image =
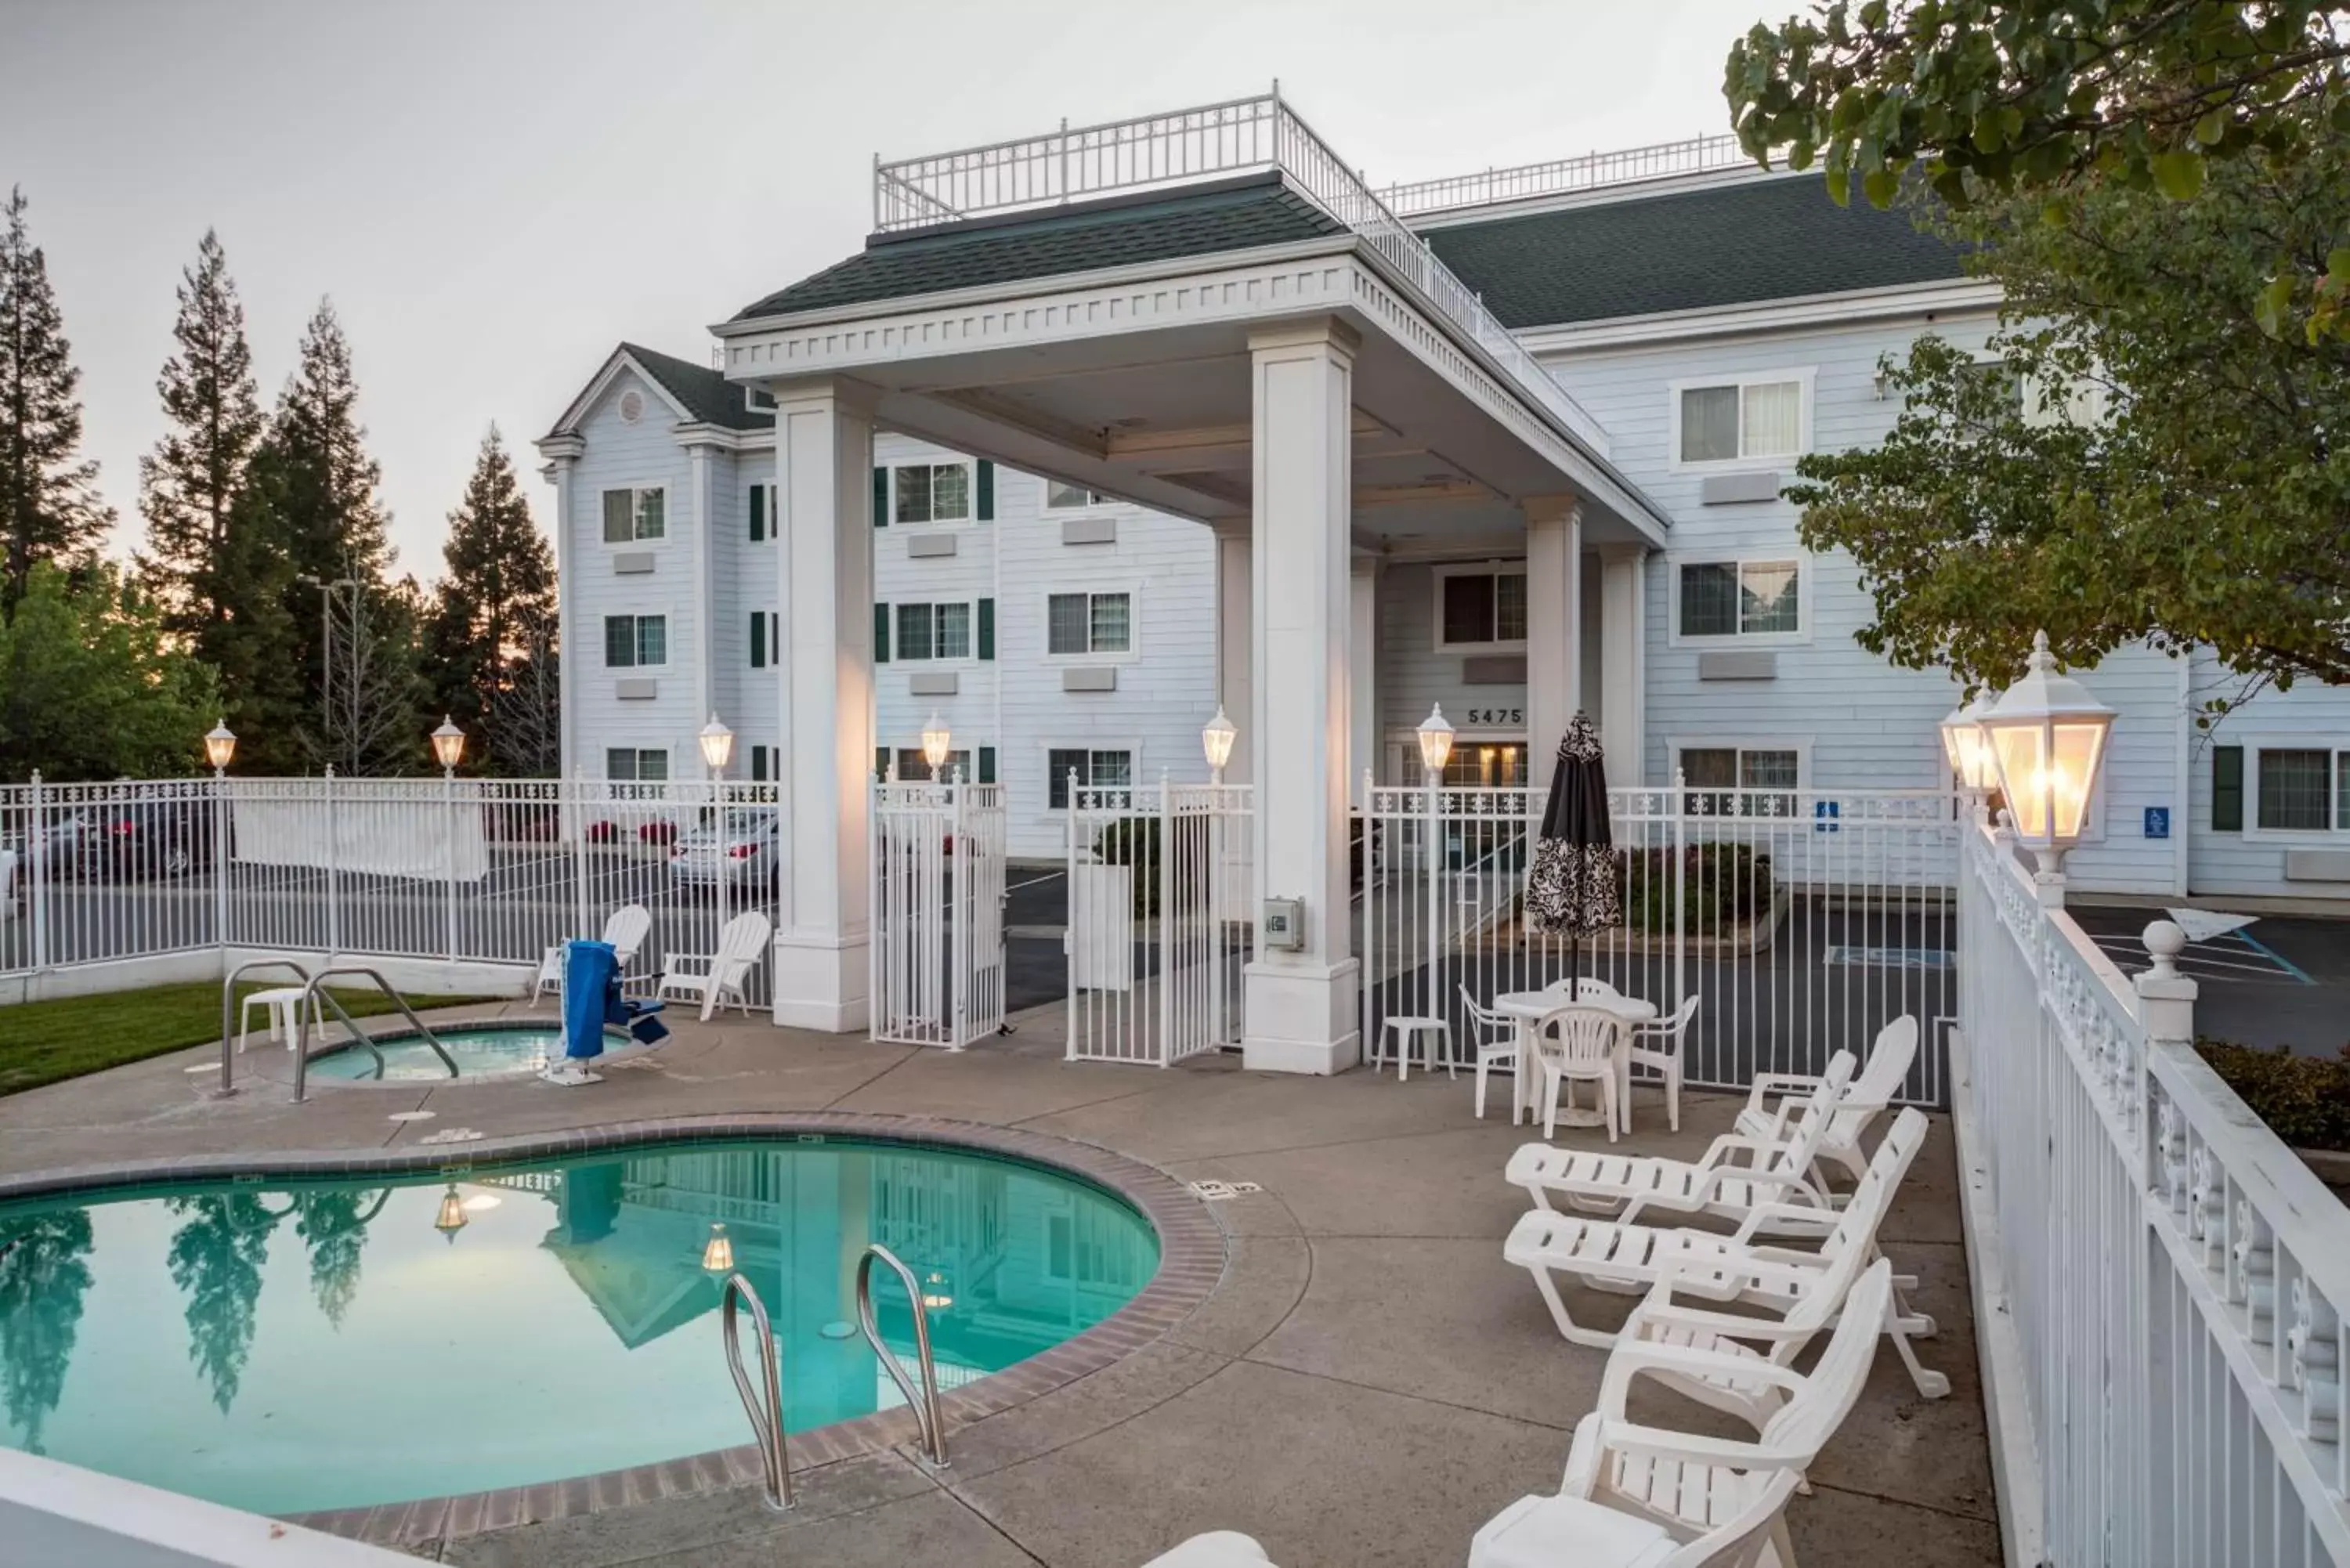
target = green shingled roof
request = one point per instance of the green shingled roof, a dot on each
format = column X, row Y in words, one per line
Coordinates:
column 1729, row 245
column 708, row 396
column 1229, row 217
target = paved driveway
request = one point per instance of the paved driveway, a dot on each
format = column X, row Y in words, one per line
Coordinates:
column 2284, row 979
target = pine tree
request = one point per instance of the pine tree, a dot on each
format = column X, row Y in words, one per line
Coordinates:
column 189, row 483
column 49, row 507
column 496, row 599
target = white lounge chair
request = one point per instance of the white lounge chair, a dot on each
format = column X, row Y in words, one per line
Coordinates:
column 1864, row 1098
column 717, row 978
column 1736, row 1174
column 1217, row 1548
column 1639, row 1496
column 1734, row 1268
column 625, row 930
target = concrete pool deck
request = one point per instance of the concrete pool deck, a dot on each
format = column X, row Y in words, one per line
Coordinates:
column 1366, row 1383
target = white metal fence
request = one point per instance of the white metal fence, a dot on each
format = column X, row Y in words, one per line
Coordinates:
column 1804, row 921
column 2173, row 1276
column 1159, row 920
column 463, row 871
column 937, row 950
column 1694, row 155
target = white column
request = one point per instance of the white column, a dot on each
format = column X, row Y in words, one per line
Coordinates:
column 1363, row 671
column 1623, row 660
column 567, row 562
column 1301, row 1005
column 1553, row 639
column 823, row 559
column 1236, row 617
column 705, row 597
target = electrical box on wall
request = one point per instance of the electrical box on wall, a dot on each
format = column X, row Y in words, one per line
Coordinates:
column 1283, row 929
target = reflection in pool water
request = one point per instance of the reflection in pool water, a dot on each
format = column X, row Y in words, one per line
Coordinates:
column 294, row 1346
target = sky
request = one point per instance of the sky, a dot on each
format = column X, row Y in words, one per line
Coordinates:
column 495, row 194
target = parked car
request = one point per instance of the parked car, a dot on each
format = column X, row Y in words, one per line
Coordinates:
column 745, row 853
column 122, row 841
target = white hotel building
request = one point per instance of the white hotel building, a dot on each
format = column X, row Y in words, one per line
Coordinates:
column 1085, row 593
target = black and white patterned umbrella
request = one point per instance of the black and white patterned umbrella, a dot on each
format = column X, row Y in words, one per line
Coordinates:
column 1571, row 888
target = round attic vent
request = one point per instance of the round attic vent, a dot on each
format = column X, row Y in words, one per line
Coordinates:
column 632, row 406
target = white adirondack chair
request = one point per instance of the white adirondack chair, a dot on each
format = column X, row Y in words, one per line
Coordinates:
column 1801, row 1288
column 625, row 928
column 1736, row 1174
column 1706, row 1501
column 717, row 978
column 1860, row 1104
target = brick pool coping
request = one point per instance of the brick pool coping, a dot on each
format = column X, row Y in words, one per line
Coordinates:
column 1191, row 1264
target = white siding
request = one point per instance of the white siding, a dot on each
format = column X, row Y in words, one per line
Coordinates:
column 2251, row 863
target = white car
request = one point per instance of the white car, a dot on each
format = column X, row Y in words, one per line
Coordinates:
column 744, row 855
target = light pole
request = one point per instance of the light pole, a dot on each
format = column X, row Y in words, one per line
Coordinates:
column 938, row 745
column 449, row 750
column 1216, row 737
column 220, row 746
column 717, row 744
column 1967, row 749
column 1435, row 751
column 2048, row 735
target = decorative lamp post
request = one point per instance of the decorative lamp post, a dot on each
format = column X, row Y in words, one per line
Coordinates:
column 937, row 744
column 1435, row 743
column 2047, row 736
column 1435, row 751
column 718, row 1252
column 448, row 745
column 717, row 742
column 1968, row 750
column 452, row 1218
column 1216, row 738
column 219, row 747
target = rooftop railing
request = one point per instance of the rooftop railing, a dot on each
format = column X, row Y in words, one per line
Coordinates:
column 1159, row 151
column 1563, row 176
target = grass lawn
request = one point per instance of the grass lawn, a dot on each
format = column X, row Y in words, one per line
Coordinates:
column 44, row 1042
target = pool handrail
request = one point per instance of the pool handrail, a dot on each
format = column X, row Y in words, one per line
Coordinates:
column 316, row 988
column 925, row 1402
column 766, row 1415
column 228, row 1007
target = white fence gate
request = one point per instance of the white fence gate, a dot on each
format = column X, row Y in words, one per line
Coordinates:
column 1802, row 919
column 937, row 945
column 2159, row 1280
column 1159, row 920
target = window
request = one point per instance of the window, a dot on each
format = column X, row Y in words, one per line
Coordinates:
column 1083, row 624
column 1094, row 771
column 933, row 631
column 2302, row 789
column 633, row 515
column 760, row 504
column 633, row 641
column 1742, row 422
column 1067, row 497
column 1481, row 607
column 1724, row 768
column 1741, row 598
column 631, row 764
column 932, row 493
column 758, row 399
column 913, row 767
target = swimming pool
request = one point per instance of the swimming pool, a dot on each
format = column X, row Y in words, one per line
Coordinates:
column 480, row 1051
column 287, row 1346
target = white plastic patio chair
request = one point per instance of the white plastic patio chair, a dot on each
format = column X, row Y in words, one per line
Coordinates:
column 625, row 930
column 1801, row 1288
column 1495, row 1039
column 1576, row 1044
column 1712, row 1501
column 717, row 978
column 1736, row 1174
column 1658, row 1045
column 1588, row 988
column 1863, row 1099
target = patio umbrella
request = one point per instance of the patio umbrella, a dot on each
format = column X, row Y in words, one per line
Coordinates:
column 1571, row 886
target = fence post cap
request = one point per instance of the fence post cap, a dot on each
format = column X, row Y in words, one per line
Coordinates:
column 2165, row 941
column 2165, row 996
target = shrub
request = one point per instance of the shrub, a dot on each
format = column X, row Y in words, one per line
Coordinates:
column 1725, row 884
column 2305, row 1100
column 1133, row 842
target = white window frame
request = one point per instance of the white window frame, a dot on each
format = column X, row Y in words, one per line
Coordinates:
column 970, row 748
column 752, row 394
column 1133, row 592
column 1804, row 376
column 970, row 490
column 935, row 661
column 1444, row 573
column 635, row 488
column 1804, row 561
column 2254, row 744
column 1799, row 744
column 1087, row 743
column 663, row 614
column 669, row 775
column 1094, row 500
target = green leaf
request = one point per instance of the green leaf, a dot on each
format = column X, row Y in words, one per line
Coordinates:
column 2212, row 128
column 2337, row 264
column 1880, row 186
column 2177, row 174
column 2270, row 306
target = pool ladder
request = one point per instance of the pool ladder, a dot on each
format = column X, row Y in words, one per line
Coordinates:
column 315, row 990
column 762, row 1397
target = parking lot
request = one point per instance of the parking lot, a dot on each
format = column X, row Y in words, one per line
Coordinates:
column 2282, row 981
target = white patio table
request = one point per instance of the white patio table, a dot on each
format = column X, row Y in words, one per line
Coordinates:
column 1531, row 1007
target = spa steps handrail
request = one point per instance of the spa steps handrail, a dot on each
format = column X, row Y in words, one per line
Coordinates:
column 317, row 990
column 763, row 1401
column 925, row 1401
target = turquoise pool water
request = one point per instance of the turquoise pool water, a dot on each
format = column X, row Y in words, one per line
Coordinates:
column 288, row 1346
column 478, row 1053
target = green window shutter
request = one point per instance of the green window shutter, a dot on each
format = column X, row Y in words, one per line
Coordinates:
column 987, row 764
column 987, row 629
column 2226, row 789
column 881, row 634
column 986, row 491
column 758, row 764
column 758, row 640
column 881, row 498
column 758, row 513
column 881, row 761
